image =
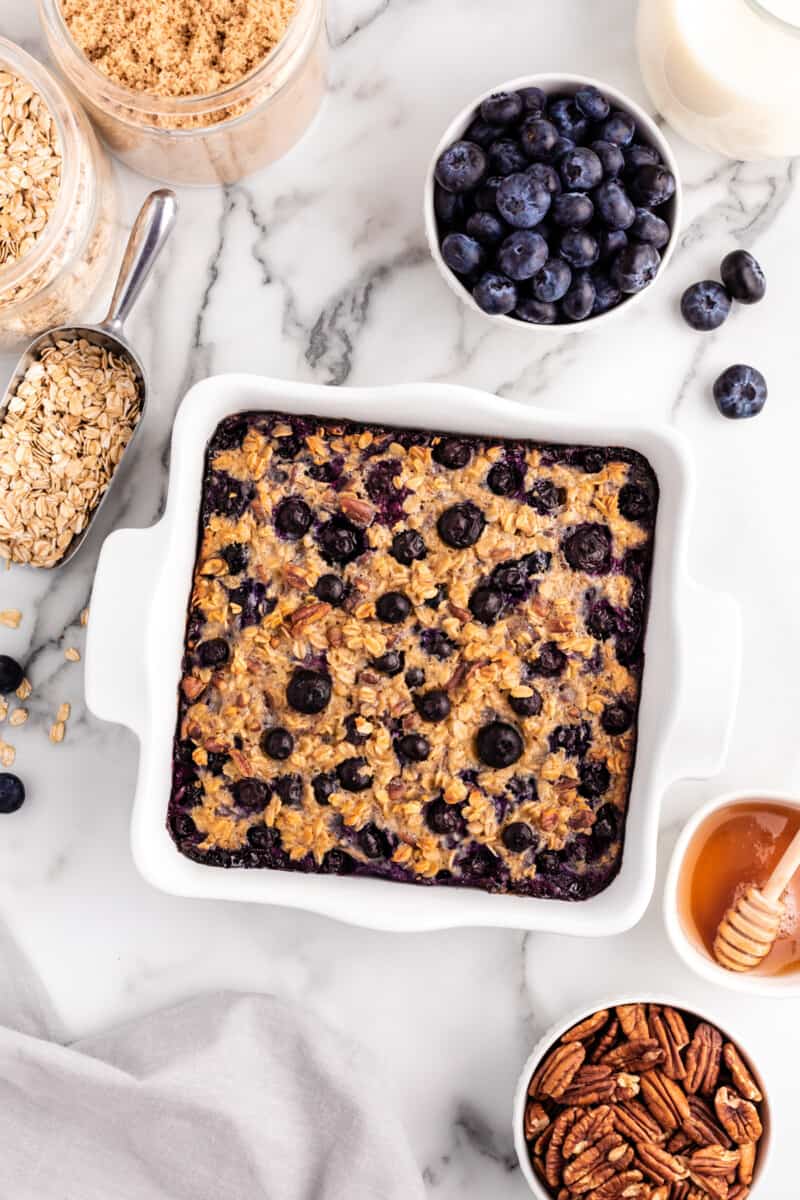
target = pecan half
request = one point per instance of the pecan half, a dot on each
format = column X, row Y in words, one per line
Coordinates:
column 742, row 1079
column 659, row 1164
column 739, row 1191
column 678, row 1142
column 747, row 1162
column 606, row 1041
column 627, row 1185
column 665, row 1099
column 192, row 687
column 641, row 1054
column 359, row 511
column 295, row 577
column 590, row 1162
column 588, row 1028
column 536, row 1120
column 710, row 1185
column 557, row 1071
column 703, row 1059
column 589, row 1129
column 308, row 614
column 626, row 1086
column 670, row 1031
column 634, row 1121
column 633, row 1019
column 701, row 1125
column 591, row 1085
column 714, row 1160
column 737, row 1116
column 554, row 1157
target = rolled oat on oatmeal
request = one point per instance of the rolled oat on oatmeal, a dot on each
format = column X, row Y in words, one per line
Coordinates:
column 30, row 166
column 63, row 435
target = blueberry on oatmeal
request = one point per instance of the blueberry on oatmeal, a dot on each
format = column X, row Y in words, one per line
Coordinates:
column 340, row 541
column 499, row 744
column 277, row 743
column 433, row 706
column 408, row 546
column 393, row 608
column 461, row 525
column 330, row 589
column 213, row 653
column 452, row 453
column 308, row 691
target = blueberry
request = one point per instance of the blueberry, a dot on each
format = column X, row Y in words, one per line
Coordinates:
column 574, row 740
column 511, row 577
column 486, row 195
column 705, row 305
column 743, row 277
column 277, row 743
column 502, row 108
column 12, row 793
column 262, row 837
column 579, row 248
column 330, row 589
column 588, row 548
column 495, row 295
column 486, row 604
column 308, row 691
column 592, row 103
column 415, row 677
column 251, row 794
column 536, row 312
column 522, row 200
column 11, row 674
column 373, row 842
column 438, row 598
column 518, row 837
column 216, row 761
column 601, row 622
column 606, row 294
column 522, row 254
column 534, row 101
column 391, row 663
column 614, row 205
column 292, row 518
column 568, row 119
column 290, row 789
column 482, row 132
column 338, row 862
column 594, row 779
column 606, row 826
column 448, row 206
column 499, row 744
column 351, row 775
column 617, row 718
column 591, row 460
column 580, row 169
column 323, row 786
column 545, row 497
column 236, row 555
column 548, row 862
column 635, row 267
column 579, row 300
column 552, row 282
column 407, row 547
column 252, row 599
column 610, row 242
column 442, row 817
column 393, row 608
column 486, row 228
column 564, row 145
column 214, row 652
column 652, row 185
column 546, row 175
column 504, row 479
column 537, row 562
column 538, row 138
column 611, row 158
column 433, row 706
column 452, row 453
column 288, row 447
column 618, row 128
column 741, row 391
column 506, row 157
column 638, row 155
column 526, row 706
column 340, row 541
column 414, row 747
column 634, row 502
column 437, row 644
column 649, row 228
column 227, row 496
column 572, row 209
column 461, row 525
column 461, row 167
column 462, row 254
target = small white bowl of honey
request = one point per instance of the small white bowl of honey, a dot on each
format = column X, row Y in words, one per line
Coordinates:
column 734, row 841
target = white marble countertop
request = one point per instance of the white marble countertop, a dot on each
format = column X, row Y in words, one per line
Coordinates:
column 317, row 269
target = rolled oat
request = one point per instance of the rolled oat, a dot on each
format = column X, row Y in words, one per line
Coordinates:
column 30, row 166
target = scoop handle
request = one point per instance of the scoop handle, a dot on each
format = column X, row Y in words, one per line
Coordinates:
column 776, row 885
column 150, row 231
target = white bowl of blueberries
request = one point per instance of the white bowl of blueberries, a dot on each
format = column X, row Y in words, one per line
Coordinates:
column 552, row 200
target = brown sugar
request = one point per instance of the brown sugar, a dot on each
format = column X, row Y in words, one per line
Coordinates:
column 177, row 47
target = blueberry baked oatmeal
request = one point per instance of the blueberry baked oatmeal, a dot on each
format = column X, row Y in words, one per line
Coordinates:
column 413, row 656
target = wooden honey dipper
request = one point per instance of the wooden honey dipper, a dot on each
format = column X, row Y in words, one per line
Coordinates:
column 747, row 932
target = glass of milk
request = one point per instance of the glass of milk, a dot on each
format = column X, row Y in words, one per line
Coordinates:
column 725, row 73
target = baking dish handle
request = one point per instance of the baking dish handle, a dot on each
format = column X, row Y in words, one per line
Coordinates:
column 115, row 643
column 710, row 674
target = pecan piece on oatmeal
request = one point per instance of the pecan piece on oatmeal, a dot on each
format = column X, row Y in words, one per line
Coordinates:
column 588, row 1028
column 558, row 1071
column 742, row 1079
column 703, row 1060
column 360, row 512
column 737, row 1116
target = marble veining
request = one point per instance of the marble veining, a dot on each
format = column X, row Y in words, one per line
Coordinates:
column 317, row 269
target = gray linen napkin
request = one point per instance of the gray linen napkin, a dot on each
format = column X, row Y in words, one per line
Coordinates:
column 226, row 1097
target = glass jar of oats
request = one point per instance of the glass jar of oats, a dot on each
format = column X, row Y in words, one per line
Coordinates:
column 192, row 96
column 57, row 203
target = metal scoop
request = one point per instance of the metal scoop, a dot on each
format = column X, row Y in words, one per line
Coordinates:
column 150, row 231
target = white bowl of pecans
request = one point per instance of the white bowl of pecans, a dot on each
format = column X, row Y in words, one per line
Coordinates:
column 640, row 1100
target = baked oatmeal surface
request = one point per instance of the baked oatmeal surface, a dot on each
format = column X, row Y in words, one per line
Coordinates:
column 412, row 655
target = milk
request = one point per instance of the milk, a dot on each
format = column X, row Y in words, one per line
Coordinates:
column 725, row 73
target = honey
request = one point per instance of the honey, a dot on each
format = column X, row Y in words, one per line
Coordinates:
column 734, row 847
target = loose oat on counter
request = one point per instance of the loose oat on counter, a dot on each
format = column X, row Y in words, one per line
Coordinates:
column 63, row 435
column 177, row 47
column 30, row 167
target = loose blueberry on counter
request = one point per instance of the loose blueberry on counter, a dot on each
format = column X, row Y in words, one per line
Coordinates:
column 236, row 556
column 502, row 108
column 550, row 661
column 578, row 303
column 518, row 837
column 635, row 267
column 462, row 253
column 277, row 743
column 538, row 137
column 652, row 185
column 290, row 789
column 443, row 818
column 486, row 604
column 614, row 205
column 414, row 747
column 522, row 201
column 323, row 786
column 552, row 282
column 705, row 305
column 452, row 453
column 610, row 156
column 594, row 779
column 506, row 157
column 414, row 678
column 588, row 548
column 462, row 166
column 213, row 653
column 352, row 775
column 580, row 169
column 526, row 706
column 373, row 842
column 740, row 392
column 293, row 518
column 11, row 674
column 433, row 706
column 499, row 744
column 504, row 479
column 743, row 277
column 545, row 497
column 461, row 525
column 330, row 589
column 407, row 546
column 495, row 295
column 536, row 312
column 634, row 502
column 251, row 794
column 522, row 254
column 308, row 691
column 649, row 228
column 12, row 793
column 393, row 608
column 618, row 128
column 391, row 663
column 617, row 718
column 592, row 103
column 571, row 210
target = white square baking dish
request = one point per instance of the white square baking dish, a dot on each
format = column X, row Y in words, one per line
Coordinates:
column 136, row 632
